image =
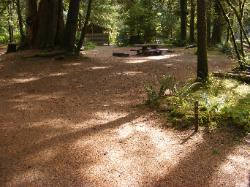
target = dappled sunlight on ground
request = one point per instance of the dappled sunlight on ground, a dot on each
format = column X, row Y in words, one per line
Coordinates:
column 79, row 122
column 162, row 57
column 99, row 67
column 135, row 61
column 236, row 164
column 131, row 73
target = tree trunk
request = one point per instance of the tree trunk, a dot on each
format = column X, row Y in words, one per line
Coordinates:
column 241, row 10
column 48, row 23
column 31, row 22
column 71, row 26
column 192, row 17
column 20, row 22
column 239, row 21
column 80, row 43
column 228, row 35
column 183, row 13
column 217, row 25
column 209, row 6
column 232, row 33
column 10, row 22
column 60, row 25
column 202, row 65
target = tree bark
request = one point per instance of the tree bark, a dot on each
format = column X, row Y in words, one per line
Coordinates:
column 217, row 25
column 10, row 22
column 31, row 22
column 239, row 21
column 20, row 22
column 183, row 13
column 192, row 17
column 241, row 10
column 48, row 22
column 71, row 26
column 232, row 33
column 202, row 65
column 83, row 32
column 209, row 23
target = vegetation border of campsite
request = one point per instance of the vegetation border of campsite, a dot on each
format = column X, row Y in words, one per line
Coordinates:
column 221, row 102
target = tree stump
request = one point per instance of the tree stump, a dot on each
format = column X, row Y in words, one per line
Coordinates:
column 12, row 47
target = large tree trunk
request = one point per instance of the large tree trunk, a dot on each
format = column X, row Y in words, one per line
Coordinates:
column 209, row 23
column 183, row 13
column 48, row 21
column 31, row 22
column 60, row 25
column 80, row 43
column 71, row 26
column 202, row 65
column 192, row 17
column 217, row 25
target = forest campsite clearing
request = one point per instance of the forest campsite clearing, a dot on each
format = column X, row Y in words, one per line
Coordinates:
column 82, row 122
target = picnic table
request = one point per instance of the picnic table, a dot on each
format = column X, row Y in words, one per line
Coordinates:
column 150, row 49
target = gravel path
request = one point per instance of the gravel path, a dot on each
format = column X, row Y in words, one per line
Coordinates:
column 80, row 123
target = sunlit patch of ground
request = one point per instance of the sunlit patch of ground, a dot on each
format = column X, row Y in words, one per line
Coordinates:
column 236, row 164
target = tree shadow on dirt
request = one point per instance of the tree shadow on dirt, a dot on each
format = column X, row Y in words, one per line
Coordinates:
column 54, row 155
column 198, row 167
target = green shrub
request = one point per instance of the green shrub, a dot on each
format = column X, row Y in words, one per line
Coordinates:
column 153, row 96
column 179, row 43
column 226, row 48
column 221, row 102
column 89, row 45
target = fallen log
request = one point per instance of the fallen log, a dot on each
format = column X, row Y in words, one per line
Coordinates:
column 234, row 75
column 120, row 54
column 191, row 46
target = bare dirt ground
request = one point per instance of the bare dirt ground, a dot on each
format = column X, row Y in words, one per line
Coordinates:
column 78, row 123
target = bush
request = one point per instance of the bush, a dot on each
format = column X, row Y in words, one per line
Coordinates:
column 221, row 102
column 179, row 43
column 89, row 45
column 226, row 48
column 166, row 83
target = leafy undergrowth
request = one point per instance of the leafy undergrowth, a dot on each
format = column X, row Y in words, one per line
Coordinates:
column 222, row 102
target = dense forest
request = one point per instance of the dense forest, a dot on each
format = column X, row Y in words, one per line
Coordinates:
column 124, row 92
column 63, row 24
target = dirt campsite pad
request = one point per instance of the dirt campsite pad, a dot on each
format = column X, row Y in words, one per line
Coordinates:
column 80, row 122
